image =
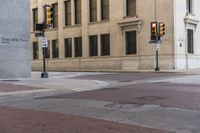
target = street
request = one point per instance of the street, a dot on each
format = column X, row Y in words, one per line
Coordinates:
column 87, row 102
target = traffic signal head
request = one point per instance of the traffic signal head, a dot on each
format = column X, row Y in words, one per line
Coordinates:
column 154, row 30
column 161, row 29
column 49, row 15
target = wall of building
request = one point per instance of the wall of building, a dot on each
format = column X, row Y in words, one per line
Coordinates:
column 14, row 39
column 116, row 27
column 184, row 21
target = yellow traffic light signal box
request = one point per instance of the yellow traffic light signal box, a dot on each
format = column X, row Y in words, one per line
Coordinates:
column 49, row 16
column 161, row 29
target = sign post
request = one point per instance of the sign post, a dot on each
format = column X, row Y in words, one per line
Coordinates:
column 44, row 49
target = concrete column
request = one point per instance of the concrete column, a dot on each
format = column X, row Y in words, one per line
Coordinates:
column 98, row 10
column 85, row 40
column 73, row 12
column 73, row 48
column 60, row 28
column 99, row 45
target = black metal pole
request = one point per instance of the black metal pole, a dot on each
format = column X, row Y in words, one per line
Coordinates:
column 44, row 73
column 157, row 63
column 44, row 59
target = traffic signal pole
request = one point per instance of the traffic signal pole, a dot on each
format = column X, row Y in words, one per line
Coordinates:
column 44, row 74
column 157, row 59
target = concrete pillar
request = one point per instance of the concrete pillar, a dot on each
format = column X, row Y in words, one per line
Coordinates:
column 98, row 10
column 85, row 40
column 15, row 55
column 60, row 28
column 73, row 12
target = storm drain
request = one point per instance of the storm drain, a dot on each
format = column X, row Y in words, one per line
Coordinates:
column 154, row 98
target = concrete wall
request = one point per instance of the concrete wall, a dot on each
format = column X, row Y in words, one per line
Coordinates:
column 14, row 39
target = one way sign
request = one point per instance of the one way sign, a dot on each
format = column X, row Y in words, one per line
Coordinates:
column 44, row 42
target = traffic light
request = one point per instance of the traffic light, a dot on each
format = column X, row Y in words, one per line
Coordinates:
column 49, row 16
column 154, row 31
column 161, row 29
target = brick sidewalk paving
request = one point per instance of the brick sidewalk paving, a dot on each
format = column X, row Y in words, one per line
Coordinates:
column 6, row 87
column 14, row 120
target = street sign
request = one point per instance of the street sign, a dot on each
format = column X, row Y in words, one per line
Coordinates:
column 39, row 34
column 155, row 41
column 39, row 27
column 157, row 46
column 44, row 42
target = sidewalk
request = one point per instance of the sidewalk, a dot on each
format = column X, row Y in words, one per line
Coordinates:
column 56, row 83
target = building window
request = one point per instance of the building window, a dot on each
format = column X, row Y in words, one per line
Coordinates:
column 77, row 11
column 35, row 51
column 78, row 46
column 131, row 42
column 68, row 47
column 104, row 9
column 105, row 45
column 93, row 45
column 35, row 17
column 189, row 6
column 55, row 49
column 68, row 13
column 55, row 15
column 93, row 10
column 48, row 50
column 131, row 8
column 190, row 41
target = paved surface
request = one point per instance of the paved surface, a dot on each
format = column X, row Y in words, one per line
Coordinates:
column 14, row 120
column 141, row 102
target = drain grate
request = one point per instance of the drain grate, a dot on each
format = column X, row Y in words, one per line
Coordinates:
column 150, row 98
column 10, row 80
column 126, row 81
column 109, row 89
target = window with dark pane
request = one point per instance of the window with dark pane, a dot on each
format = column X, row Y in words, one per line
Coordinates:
column 55, row 49
column 35, row 51
column 68, row 13
column 55, row 15
column 93, row 45
column 190, row 41
column 131, row 42
column 68, row 47
column 78, row 46
column 93, row 10
column 77, row 11
column 104, row 9
column 35, row 17
column 48, row 50
column 131, row 8
column 105, row 45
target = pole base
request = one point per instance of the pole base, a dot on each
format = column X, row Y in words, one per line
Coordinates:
column 44, row 75
column 157, row 69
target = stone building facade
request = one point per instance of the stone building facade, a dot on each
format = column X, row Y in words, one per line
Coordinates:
column 104, row 35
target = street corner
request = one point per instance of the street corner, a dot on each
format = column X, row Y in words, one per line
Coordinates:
column 14, row 120
column 9, row 87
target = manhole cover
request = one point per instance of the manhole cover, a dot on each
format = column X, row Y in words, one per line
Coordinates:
column 109, row 89
column 151, row 98
column 10, row 80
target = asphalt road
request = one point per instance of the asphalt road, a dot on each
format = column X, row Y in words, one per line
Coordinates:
column 102, row 103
